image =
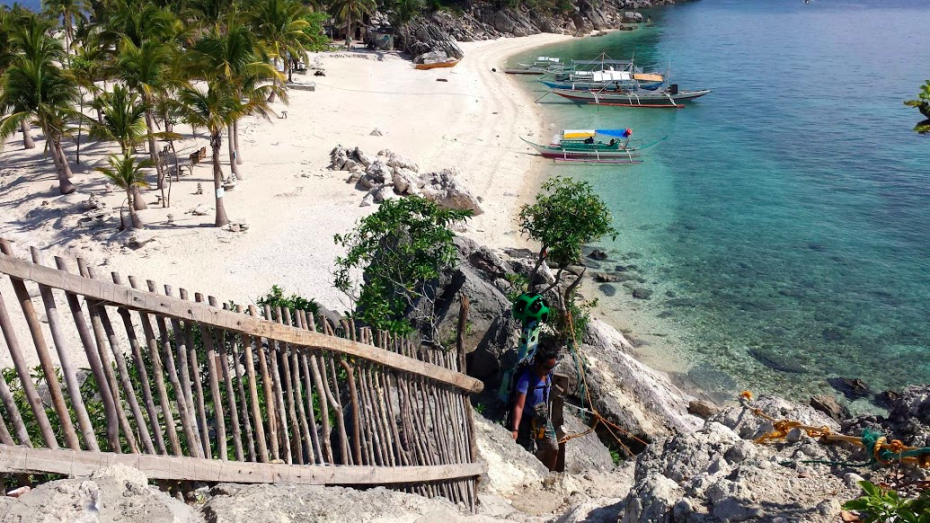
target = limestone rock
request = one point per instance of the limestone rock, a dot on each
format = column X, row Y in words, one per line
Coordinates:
column 117, row 493
column 361, row 157
column 702, row 408
column 376, row 174
column 829, row 406
column 510, row 466
column 632, row 17
column 397, row 161
column 338, row 157
column 405, row 181
column 375, row 132
column 201, row 210
column 443, row 189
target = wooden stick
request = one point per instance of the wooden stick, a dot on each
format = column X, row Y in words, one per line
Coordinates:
column 289, row 382
column 219, row 416
column 340, row 417
column 253, row 394
column 310, row 440
column 126, row 381
column 13, row 412
column 389, row 393
column 45, row 359
column 5, row 437
column 353, row 398
column 218, row 318
column 280, row 410
column 22, row 370
column 323, row 390
column 269, row 395
column 96, row 367
column 308, row 323
column 158, row 372
column 185, row 408
column 230, row 391
column 61, row 347
column 143, row 372
column 191, row 363
column 23, row 460
column 243, row 404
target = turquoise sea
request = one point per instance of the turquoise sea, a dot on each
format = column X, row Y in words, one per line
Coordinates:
column 784, row 225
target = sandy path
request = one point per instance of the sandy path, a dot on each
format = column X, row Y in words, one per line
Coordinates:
column 293, row 204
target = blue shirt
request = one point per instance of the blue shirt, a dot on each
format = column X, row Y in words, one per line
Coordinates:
column 535, row 388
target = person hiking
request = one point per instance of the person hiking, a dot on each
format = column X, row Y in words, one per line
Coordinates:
column 531, row 425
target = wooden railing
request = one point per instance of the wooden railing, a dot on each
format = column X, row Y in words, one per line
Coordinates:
column 209, row 393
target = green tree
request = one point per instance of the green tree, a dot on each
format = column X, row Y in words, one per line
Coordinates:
column 232, row 58
column 351, row 11
column 922, row 103
column 68, row 11
column 214, row 110
column 35, row 88
column 401, row 249
column 126, row 173
column 566, row 215
column 281, row 26
column 123, row 119
column 149, row 70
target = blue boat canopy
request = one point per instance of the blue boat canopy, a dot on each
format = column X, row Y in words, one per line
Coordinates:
column 620, row 133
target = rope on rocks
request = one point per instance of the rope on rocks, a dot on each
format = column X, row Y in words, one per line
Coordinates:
column 881, row 450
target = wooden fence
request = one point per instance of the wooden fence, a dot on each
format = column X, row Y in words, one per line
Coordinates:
column 210, row 393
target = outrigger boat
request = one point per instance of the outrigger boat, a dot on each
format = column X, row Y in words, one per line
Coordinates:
column 451, row 62
column 542, row 65
column 606, row 74
column 670, row 96
column 593, row 146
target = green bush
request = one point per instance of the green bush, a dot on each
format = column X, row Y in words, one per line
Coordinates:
column 276, row 298
column 881, row 506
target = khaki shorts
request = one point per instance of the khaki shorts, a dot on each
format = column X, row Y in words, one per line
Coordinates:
column 532, row 442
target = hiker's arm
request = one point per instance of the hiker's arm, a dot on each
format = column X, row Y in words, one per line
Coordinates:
column 517, row 413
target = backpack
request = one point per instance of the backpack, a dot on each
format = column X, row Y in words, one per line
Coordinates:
column 522, row 368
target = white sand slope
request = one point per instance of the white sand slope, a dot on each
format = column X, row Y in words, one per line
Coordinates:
column 293, row 204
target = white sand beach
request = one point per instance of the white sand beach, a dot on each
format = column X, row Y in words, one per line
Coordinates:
column 292, row 203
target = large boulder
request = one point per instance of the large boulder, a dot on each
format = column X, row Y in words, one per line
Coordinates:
column 510, row 467
column 443, row 189
column 116, row 493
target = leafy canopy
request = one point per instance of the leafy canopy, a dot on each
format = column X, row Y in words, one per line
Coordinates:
column 922, row 103
column 276, row 298
column 400, row 249
column 566, row 215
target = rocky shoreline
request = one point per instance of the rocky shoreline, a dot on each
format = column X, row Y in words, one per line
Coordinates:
column 438, row 32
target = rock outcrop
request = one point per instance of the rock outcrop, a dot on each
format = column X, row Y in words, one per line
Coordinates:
column 388, row 175
column 718, row 474
column 117, row 493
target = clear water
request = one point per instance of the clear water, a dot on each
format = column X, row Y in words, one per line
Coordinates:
column 784, row 223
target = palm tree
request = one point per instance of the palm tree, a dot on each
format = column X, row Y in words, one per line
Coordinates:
column 281, row 26
column 404, row 12
column 213, row 110
column 350, row 11
column 87, row 68
column 127, row 174
column 67, row 10
column 123, row 119
column 35, row 88
column 233, row 59
column 147, row 69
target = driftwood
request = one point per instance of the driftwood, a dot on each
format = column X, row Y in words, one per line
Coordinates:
column 387, row 410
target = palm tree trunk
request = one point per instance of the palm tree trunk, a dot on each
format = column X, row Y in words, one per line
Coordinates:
column 64, row 184
column 153, row 148
column 77, row 142
column 233, row 166
column 236, row 135
column 137, row 200
column 221, row 218
column 271, row 97
column 134, row 219
column 64, row 158
column 28, row 142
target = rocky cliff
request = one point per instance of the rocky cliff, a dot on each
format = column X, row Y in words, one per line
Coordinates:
column 439, row 30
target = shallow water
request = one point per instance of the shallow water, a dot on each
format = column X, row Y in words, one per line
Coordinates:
column 782, row 224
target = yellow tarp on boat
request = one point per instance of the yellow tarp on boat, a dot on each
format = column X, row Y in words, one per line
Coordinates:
column 648, row 77
column 578, row 134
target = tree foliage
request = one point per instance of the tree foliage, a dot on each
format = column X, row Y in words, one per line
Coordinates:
column 401, row 250
column 276, row 298
column 922, row 103
column 567, row 215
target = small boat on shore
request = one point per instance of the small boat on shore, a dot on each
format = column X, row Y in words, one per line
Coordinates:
column 593, row 146
column 452, row 62
column 670, row 96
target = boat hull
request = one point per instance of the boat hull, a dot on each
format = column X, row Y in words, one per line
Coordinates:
column 597, row 86
column 647, row 99
column 438, row 65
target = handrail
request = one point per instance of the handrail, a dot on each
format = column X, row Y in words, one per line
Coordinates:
column 214, row 317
